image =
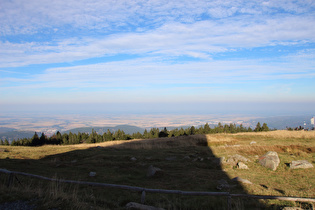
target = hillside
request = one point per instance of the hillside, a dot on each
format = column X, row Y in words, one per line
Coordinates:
column 190, row 163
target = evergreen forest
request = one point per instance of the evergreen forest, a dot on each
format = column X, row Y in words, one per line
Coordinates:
column 94, row 137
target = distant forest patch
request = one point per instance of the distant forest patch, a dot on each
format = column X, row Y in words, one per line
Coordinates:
column 94, row 137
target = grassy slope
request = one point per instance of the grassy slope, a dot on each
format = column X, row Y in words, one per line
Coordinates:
column 111, row 161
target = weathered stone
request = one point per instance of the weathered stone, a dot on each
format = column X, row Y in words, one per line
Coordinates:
column 270, row 160
column 133, row 159
column 152, row 170
column 239, row 179
column 223, row 184
column 241, row 165
column 234, row 159
column 253, row 142
column 186, row 157
column 300, row 164
column 92, row 174
column 138, row 206
column 292, row 208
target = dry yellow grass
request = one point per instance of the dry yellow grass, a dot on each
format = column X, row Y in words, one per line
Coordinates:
column 290, row 145
column 282, row 134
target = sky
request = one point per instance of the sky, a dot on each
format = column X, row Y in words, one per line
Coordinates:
column 157, row 56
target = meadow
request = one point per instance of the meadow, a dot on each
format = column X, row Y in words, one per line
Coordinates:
column 187, row 163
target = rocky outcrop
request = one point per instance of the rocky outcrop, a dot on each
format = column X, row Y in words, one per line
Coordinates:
column 270, row 160
column 300, row 164
column 234, row 159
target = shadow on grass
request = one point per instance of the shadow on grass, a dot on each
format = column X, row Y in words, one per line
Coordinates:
column 186, row 163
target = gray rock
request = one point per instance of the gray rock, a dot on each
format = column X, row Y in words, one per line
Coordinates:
column 234, row 159
column 270, row 160
column 92, row 174
column 152, row 171
column 223, row 184
column 300, row 164
column 138, row 206
column 241, row 165
column 239, row 179
column 133, row 159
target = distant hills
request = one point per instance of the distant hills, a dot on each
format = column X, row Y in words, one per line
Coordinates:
column 5, row 129
column 280, row 123
column 15, row 134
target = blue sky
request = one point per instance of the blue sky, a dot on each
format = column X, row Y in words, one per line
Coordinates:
column 157, row 56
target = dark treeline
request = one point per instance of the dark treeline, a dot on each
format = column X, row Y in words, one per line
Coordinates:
column 94, row 137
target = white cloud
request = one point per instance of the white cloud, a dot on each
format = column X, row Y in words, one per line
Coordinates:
column 200, row 39
column 30, row 17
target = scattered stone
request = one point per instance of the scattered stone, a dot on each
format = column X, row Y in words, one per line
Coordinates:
column 270, row 160
column 133, row 159
column 170, row 158
column 74, row 161
column 253, row 142
column 234, row 159
column 292, row 208
column 223, row 185
column 152, row 171
column 241, row 165
column 300, row 164
column 92, row 174
column 239, row 179
column 138, row 206
column 186, row 158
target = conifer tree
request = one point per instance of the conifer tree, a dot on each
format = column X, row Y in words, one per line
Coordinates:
column 264, row 127
column 258, row 127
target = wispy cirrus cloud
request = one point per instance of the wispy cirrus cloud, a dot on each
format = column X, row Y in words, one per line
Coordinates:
column 200, row 39
column 62, row 50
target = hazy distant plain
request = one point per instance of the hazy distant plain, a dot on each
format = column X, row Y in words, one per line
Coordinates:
column 52, row 123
